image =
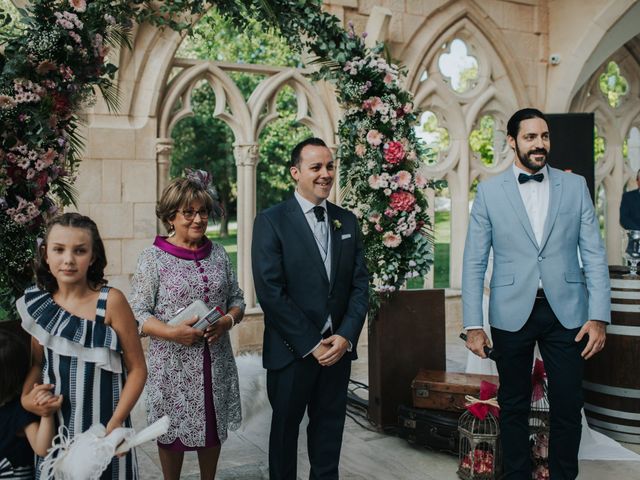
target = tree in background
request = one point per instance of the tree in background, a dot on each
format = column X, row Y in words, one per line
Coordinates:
column 202, row 141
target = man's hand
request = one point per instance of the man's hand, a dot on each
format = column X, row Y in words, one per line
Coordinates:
column 476, row 341
column 185, row 334
column 338, row 347
column 597, row 332
column 41, row 401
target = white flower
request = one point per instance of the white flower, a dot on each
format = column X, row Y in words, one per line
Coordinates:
column 391, row 239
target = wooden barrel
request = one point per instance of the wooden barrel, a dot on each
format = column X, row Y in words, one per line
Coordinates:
column 612, row 377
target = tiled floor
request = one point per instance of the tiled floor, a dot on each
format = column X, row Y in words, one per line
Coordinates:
column 366, row 455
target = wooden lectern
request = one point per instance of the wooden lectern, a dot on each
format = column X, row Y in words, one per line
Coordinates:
column 407, row 334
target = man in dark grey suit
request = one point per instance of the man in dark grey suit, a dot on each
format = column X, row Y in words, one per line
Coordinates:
column 630, row 208
column 312, row 284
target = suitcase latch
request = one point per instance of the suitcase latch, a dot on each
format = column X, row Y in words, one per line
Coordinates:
column 408, row 423
column 422, row 392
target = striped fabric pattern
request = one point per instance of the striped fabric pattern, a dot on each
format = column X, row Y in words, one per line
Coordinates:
column 7, row 472
column 90, row 393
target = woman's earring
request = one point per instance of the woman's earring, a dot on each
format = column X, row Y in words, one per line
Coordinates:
column 172, row 230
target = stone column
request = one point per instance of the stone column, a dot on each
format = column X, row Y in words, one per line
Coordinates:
column 246, row 161
column 164, row 147
column 614, row 187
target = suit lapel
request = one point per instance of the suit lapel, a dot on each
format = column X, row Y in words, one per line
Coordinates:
column 555, row 197
column 515, row 199
column 336, row 241
column 301, row 226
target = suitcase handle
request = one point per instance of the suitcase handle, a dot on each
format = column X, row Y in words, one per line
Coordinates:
column 447, row 438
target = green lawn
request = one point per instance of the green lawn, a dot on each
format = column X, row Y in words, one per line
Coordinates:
column 442, row 237
column 230, row 243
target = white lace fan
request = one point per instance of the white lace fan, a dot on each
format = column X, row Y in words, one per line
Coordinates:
column 88, row 454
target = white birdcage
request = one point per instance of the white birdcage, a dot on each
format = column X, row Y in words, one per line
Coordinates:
column 479, row 453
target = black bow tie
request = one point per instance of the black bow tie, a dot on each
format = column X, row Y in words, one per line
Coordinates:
column 318, row 211
column 524, row 178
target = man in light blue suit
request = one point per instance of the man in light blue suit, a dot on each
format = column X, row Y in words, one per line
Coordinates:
column 550, row 285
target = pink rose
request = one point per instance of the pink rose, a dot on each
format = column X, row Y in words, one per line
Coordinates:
column 374, row 137
column 375, row 217
column 388, row 78
column 402, row 201
column 393, row 152
column 376, row 104
column 78, row 5
column 403, row 178
column 391, row 240
column 421, row 181
column 361, row 149
column 374, row 182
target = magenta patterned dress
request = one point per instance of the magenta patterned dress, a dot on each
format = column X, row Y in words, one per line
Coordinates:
column 167, row 279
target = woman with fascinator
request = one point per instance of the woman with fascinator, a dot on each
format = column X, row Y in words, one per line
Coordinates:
column 192, row 373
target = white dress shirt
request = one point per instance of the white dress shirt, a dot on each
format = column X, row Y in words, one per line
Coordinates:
column 307, row 209
column 535, row 196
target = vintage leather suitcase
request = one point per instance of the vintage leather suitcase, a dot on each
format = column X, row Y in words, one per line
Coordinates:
column 439, row 390
column 429, row 428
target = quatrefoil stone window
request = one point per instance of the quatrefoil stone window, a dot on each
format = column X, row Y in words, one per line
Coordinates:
column 613, row 85
column 458, row 67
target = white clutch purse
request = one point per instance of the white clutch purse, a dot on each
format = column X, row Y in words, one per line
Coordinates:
column 206, row 316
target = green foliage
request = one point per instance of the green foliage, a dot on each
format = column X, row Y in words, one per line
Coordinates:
column 613, row 85
column 481, row 139
column 599, row 145
column 435, row 137
column 468, row 78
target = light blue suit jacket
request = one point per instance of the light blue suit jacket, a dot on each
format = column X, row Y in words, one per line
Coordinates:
column 499, row 221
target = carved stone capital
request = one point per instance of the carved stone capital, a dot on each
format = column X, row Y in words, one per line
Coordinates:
column 246, row 155
column 164, row 146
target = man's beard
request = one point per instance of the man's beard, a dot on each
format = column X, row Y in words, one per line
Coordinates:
column 526, row 160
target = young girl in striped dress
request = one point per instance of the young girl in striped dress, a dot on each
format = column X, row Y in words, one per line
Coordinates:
column 84, row 337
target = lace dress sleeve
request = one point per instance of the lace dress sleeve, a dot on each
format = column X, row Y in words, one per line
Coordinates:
column 144, row 288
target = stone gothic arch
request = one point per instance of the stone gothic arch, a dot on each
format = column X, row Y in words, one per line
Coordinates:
column 613, row 172
column 498, row 91
column 246, row 119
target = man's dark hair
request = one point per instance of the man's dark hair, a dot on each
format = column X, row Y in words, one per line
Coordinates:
column 513, row 126
column 297, row 150
column 638, row 175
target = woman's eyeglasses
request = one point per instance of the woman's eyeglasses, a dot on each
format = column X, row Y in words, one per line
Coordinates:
column 189, row 214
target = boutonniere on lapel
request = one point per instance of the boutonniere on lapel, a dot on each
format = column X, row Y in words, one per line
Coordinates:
column 336, row 225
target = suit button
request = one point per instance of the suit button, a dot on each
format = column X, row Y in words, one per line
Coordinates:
column 539, row 259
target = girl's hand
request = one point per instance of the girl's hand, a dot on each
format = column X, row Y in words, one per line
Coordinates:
column 41, row 401
column 215, row 331
column 113, row 424
column 185, row 334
